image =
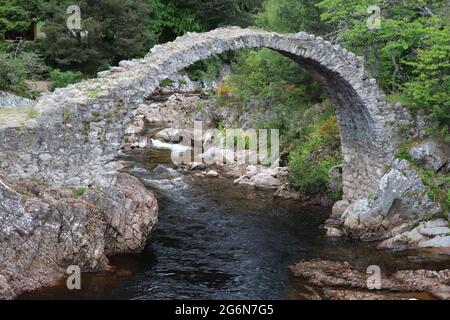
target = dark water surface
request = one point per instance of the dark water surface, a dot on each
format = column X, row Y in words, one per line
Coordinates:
column 215, row 240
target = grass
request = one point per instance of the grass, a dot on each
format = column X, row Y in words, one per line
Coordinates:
column 78, row 192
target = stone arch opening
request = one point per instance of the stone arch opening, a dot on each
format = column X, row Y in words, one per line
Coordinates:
column 360, row 106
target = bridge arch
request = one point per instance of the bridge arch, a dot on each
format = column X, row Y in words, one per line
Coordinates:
column 81, row 126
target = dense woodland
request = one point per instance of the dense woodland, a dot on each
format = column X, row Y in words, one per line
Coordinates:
column 409, row 56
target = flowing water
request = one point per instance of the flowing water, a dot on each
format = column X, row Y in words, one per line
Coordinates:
column 215, row 240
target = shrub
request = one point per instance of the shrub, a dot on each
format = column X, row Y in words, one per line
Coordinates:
column 62, row 79
column 34, row 65
column 13, row 74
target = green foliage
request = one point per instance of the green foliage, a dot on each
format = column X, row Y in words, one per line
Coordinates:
column 272, row 79
column 61, row 79
column 409, row 55
column 166, row 83
column 171, row 18
column 13, row 74
column 78, row 192
column 207, row 70
column 310, row 162
column 13, row 16
column 430, row 86
column 438, row 187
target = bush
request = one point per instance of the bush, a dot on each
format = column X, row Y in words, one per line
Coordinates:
column 34, row 65
column 61, row 79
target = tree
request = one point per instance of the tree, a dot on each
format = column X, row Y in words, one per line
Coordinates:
column 291, row 16
column 171, row 18
column 409, row 55
column 116, row 30
column 13, row 16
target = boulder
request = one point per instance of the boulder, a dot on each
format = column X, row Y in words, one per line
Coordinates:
column 212, row 174
column 339, row 208
column 433, row 233
column 168, row 135
column 9, row 100
column 430, row 154
column 436, row 242
column 265, row 180
column 333, row 232
column 285, row 191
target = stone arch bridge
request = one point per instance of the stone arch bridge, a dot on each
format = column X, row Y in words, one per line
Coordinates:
column 76, row 137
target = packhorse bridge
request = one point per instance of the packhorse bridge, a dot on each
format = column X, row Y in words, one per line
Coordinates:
column 76, row 137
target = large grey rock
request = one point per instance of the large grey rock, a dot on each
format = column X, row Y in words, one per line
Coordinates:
column 433, row 233
column 400, row 198
column 430, row 154
column 436, row 242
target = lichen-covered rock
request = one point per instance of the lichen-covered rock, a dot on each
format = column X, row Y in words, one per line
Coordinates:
column 44, row 230
column 430, row 154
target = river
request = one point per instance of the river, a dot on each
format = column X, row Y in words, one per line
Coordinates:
column 215, row 240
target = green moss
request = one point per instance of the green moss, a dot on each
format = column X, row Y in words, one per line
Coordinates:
column 403, row 155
